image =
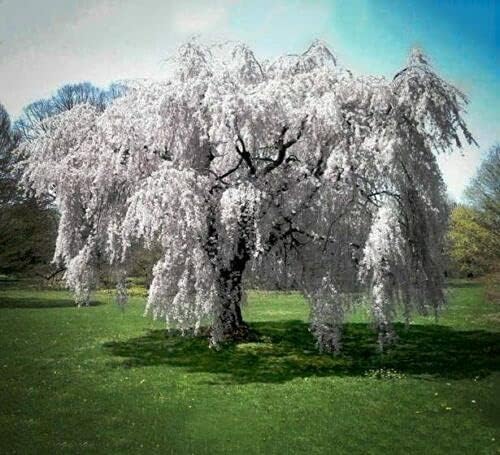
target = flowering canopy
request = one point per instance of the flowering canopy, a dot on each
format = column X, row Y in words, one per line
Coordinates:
column 295, row 170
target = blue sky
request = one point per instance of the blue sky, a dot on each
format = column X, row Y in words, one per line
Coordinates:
column 44, row 44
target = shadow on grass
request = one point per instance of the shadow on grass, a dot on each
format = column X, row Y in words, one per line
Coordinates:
column 40, row 303
column 286, row 350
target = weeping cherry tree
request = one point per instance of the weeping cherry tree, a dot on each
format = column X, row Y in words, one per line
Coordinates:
column 235, row 167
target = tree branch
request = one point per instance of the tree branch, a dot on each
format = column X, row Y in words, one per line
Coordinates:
column 53, row 274
column 228, row 173
column 283, row 146
column 245, row 155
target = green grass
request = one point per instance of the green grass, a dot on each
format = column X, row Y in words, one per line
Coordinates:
column 102, row 380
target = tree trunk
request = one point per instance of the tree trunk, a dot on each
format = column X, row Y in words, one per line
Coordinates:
column 229, row 321
column 228, row 324
column 229, row 285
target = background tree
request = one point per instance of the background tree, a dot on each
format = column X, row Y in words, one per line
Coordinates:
column 233, row 163
column 475, row 227
column 28, row 225
column 31, row 122
column 484, row 191
column 474, row 248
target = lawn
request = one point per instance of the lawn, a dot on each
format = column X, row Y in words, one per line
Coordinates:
column 103, row 380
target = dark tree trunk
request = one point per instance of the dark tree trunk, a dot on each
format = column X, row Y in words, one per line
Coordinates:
column 229, row 285
column 230, row 319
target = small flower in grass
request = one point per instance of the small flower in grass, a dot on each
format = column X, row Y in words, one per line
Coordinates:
column 473, row 401
column 384, row 373
column 448, row 408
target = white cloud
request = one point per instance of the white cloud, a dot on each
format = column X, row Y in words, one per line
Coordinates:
column 99, row 40
column 200, row 20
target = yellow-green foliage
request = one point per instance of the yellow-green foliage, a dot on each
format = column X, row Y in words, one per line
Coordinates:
column 473, row 247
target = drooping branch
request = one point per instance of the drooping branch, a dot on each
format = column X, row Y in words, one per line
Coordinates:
column 370, row 196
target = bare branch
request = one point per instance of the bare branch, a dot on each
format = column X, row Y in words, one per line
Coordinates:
column 245, row 155
column 283, row 146
column 53, row 274
column 228, row 173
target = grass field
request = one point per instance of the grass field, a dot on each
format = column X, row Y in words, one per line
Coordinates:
column 102, row 380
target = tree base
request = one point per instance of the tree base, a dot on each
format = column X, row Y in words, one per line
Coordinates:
column 240, row 333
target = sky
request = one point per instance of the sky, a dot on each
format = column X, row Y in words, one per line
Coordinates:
column 47, row 43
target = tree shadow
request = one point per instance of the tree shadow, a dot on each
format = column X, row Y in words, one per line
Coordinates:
column 286, row 350
column 39, row 303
